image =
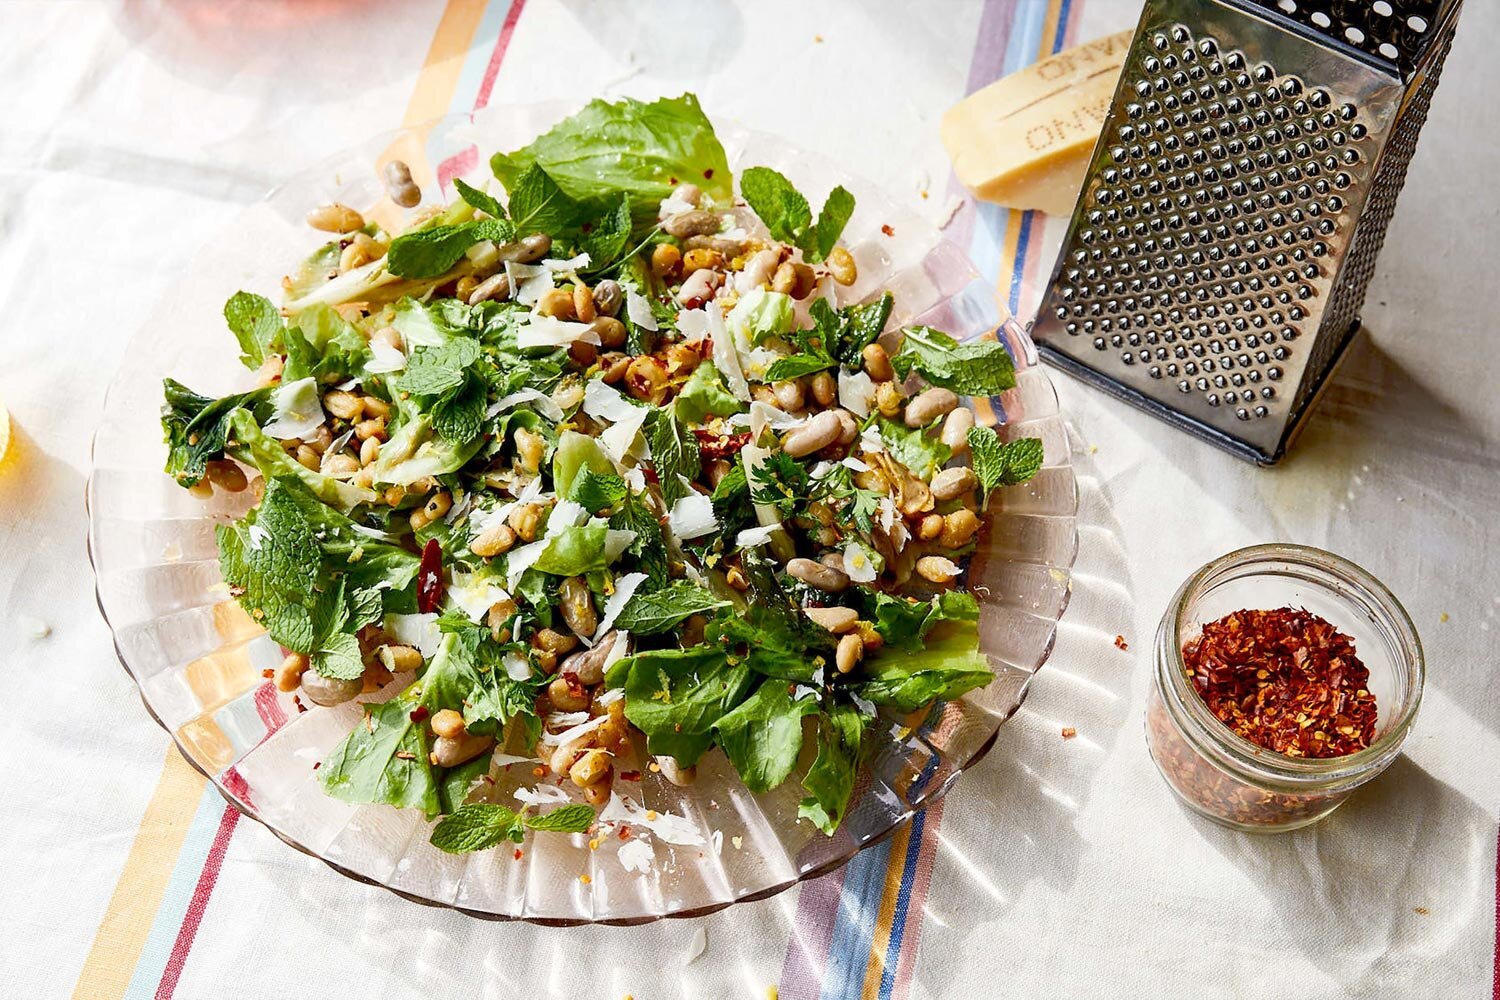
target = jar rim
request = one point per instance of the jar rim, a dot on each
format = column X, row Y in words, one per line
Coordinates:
column 1185, row 704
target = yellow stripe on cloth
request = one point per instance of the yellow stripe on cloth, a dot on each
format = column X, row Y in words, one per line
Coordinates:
column 880, row 941
column 127, row 921
column 445, row 61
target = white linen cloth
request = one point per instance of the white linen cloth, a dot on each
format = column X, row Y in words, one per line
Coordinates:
column 134, row 134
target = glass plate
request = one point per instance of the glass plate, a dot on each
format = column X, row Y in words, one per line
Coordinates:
column 199, row 660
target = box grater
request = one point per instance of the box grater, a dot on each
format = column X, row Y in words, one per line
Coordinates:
column 1235, row 204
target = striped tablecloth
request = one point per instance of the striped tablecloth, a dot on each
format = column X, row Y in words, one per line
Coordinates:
column 1059, row 868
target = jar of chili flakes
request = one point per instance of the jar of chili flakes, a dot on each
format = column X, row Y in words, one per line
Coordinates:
column 1246, row 785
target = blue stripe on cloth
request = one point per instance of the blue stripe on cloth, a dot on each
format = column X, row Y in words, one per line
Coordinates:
column 853, row 931
column 486, row 37
column 908, row 875
column 178, row 894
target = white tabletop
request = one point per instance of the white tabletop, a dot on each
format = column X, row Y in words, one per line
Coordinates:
column 135, row 134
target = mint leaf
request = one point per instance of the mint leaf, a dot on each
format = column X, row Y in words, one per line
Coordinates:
column 596, row 491
column 912, row 447
column 477, row 826
column 605, row 242
column 798, row 365
column 459, row 416
column 674, row 454
column 998, row 463
column 338, row 657
column 196, row 427
column 256, row 324
column 475, row 198
column 831, row 777
column 271, row 559
column 657, row 611
column 973, row 368
column 733, row 489
column 538, row 205
column 575, row 818
column 780, row 205
column 763, row 734
column 431, row 252
column 861, row 326
column 832, row 219
column 648, row 548
column 431, row 371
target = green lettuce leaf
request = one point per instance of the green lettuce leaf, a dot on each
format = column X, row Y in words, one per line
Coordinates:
column 913, row 447
column 324, row 345
column 675, row 697
column 576, row 452
column 704, row 395
column 641, row 149
column 762, row 735
column 760, row 314
column 253, row 446
column 904, row 622
column 196, row 426
column 946, row 667
column 384, row 760
column 830, row 780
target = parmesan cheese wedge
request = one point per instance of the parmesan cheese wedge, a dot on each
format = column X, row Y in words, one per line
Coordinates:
column 1025, row 140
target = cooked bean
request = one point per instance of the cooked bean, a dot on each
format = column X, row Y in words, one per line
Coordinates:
column 614, row 367
column 951, row 483
column 690, row 632
column 837, row 620
column 493, row 541
column 226, row 475
column 399, row 185
column 597, row 794
column 760, row 268
column 824, row 389
column 888, row 399
column 915, row 497
column 877, row 363
column 438, row 504
column 464, row 287
column 583, row 303
column 607, row 297
column 376, row 407
column 697, row 260
column 699, row 288
column 335, row 218
column 567, row 754
column 448, row 724
column 717, row 470
column 531, row 448
column 289, row 673
column 590, row 769
column 955, row 433
column 329, row 691
column 682, row 358
column 735, row 577
column 587, row 665
column 369, row 450
column 848, row 427
column 612, row 332
column 553, row 641
column 690, row 193
column 694, row 223
column 524, row 521
column 784, row 279
column 576, row 603
column 344, row 405
column 676, row 773
column 447, row 752
column 399, row 658
column 308, row 457
column 815, row 574
column 818, row 433
column 930, row 528
column 850, row 651
column 527, row 250
column 730, row 247
column 566, row 695
column 557, row 303
column 372, row 428
column 340, row 465
column 936, row 569
column 841, row 265
column 646, row 379
column 958, row 528
column 872, row 639
column 927, row 406
column 388, row 335
column 789, row 395
column 666, row 261
column 495, row 288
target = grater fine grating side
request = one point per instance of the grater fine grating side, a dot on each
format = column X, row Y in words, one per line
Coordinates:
column 1236, row 202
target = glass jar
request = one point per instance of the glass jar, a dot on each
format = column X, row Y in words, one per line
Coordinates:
column 1226, row 777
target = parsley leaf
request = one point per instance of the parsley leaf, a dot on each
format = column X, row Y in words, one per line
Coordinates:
column 781, row 482
column 973, row 368
column 575, row 818
column 998, row 463
column 654, row 612
column 788, row 216
column 478, row 826
column 860, row 506
column 256, row 324
column 431, row 252
column 475, row 198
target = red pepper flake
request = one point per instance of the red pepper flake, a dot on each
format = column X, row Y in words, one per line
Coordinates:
column 419, row 714
column 317, row 764
column 624, row 831
column 268, row 673
column 1069, row 732
column 430, row 578
column 1286, row 680
column 1120, row 642
column 297, row 700
column 712, row 447
column 888, row 229
column 708, row 174
column 630, row 776
column 405, row 755
column 518, row 854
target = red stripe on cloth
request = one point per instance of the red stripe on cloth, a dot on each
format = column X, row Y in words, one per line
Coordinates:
column 198, row 905
column 916, row 907
column 268, row 707
column 493, row 69
column 1495, row 990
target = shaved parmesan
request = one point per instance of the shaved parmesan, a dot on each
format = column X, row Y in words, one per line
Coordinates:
column 636, row 856
column 609, row 697
column 385, row 358
column 870, row 440
column 616, row 541
column 298, row 411
column 603, row 403
column 548, row 331
column 566, row 514
column 726, row 357
column 258, row 536
column 856, row 392
column 674, row 204
column 475, row 596
column 752, row 537
column 692, row 516
column 544, row 403
column 635, row 479
column 693, row 324
column 574, row 732
column 517, row 667
column 542, row 795
column 625, row 588
column 853, row 463
column 671, row 828
column 528, row 281
column 484, row 520
column 507, row 759
column 521, row 559
column 638, row 308
column 568, row 266
column 416, row 630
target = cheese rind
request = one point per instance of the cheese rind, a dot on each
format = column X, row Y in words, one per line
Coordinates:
column 1025, row 140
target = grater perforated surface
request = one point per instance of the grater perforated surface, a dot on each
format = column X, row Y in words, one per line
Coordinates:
column 1222, row 244
column 1394, row 30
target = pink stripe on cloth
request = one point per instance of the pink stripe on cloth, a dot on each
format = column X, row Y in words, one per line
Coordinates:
column 268, row 707
column 198, row 905
column 1495, row 989
column 812, row 934
column 487, row 85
